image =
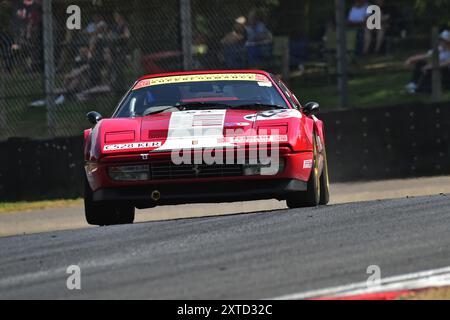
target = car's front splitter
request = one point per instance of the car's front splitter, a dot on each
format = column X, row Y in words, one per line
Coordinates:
column 201, row 192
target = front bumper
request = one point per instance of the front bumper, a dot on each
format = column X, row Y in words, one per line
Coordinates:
column 203, row 192
column 292, row 178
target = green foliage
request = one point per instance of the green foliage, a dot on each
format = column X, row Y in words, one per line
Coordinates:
column 422, row 5
column 437, row 11
column 6, row 12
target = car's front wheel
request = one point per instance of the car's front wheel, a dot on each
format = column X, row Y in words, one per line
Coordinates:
column 312, row 196
column 105, row 213
column 324, row 182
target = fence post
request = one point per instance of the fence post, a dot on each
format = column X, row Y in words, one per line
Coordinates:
column 436, row 83
column 49, row 65
column 341, row 40
column 3, row 113
column 285, row 60
column 186, row 33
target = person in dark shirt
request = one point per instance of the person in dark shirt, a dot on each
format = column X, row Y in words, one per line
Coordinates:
column 98, row 46
column 259, row 40
column 30, row 14
column 388, row 15
column 7, row 47
column 120, row 40
column 120, row 28
column 75, row 81
column 234, row 44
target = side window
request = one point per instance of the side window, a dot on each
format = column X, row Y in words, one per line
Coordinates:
column 297, row 103
column 287, row 94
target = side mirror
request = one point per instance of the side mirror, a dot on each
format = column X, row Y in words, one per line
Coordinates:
column 311, row 108
column 94, row 117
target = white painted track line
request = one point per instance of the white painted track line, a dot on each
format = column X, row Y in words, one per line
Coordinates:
column 412, row 281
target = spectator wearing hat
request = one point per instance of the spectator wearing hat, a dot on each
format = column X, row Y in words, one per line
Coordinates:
column 422, row 66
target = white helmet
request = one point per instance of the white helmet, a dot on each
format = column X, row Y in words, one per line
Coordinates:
column 445, row 35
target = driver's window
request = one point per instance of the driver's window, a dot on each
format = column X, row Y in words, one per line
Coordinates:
column 297, row 103
column 288, row 95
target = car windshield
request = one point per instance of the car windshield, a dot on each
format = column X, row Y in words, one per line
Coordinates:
column 172, row 94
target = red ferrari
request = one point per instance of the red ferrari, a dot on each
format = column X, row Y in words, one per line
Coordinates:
column 203, row 137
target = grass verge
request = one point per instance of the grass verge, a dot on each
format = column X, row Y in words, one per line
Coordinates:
column 8, row 207
column 429, row 294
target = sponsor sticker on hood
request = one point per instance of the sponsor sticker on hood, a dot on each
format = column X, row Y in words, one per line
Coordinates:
column 274, row 115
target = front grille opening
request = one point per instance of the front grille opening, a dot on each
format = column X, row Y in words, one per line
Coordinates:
column 163, row 171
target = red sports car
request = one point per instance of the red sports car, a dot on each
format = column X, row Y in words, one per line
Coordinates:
column 192, row 137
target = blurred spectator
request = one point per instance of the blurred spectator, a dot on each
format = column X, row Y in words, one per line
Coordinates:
column 259, row 40
column 73, row 38
column 357, row 18
column 95, row 21
column 30, row 14
column 358, row 13
column 388, row 16
column 101, row 63
column 69, row 48
column 7, row 48
column 234, row 44
column 422, row 65
column 75, row 81
column 120, row 29
column 120, row 39
column 8, row 43
column 98, row 44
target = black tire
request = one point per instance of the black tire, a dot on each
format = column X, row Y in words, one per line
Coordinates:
column 104, row 213
column 312, row 196
column 324, row 182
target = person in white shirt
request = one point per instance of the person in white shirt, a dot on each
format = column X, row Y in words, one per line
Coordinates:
column 422, row 66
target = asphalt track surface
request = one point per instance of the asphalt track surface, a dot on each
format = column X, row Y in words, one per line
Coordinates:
column 72, row 217
column 254, row 255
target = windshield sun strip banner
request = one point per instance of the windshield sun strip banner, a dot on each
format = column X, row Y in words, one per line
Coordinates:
column 260, row 78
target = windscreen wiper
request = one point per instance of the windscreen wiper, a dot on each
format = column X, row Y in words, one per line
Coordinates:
column 152, row 110
column 257, row 106
column 190, row 105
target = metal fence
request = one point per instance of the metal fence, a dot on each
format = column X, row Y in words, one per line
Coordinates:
column 52, row 75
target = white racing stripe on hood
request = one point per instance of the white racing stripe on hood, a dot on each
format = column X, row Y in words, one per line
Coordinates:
column 195, row 129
